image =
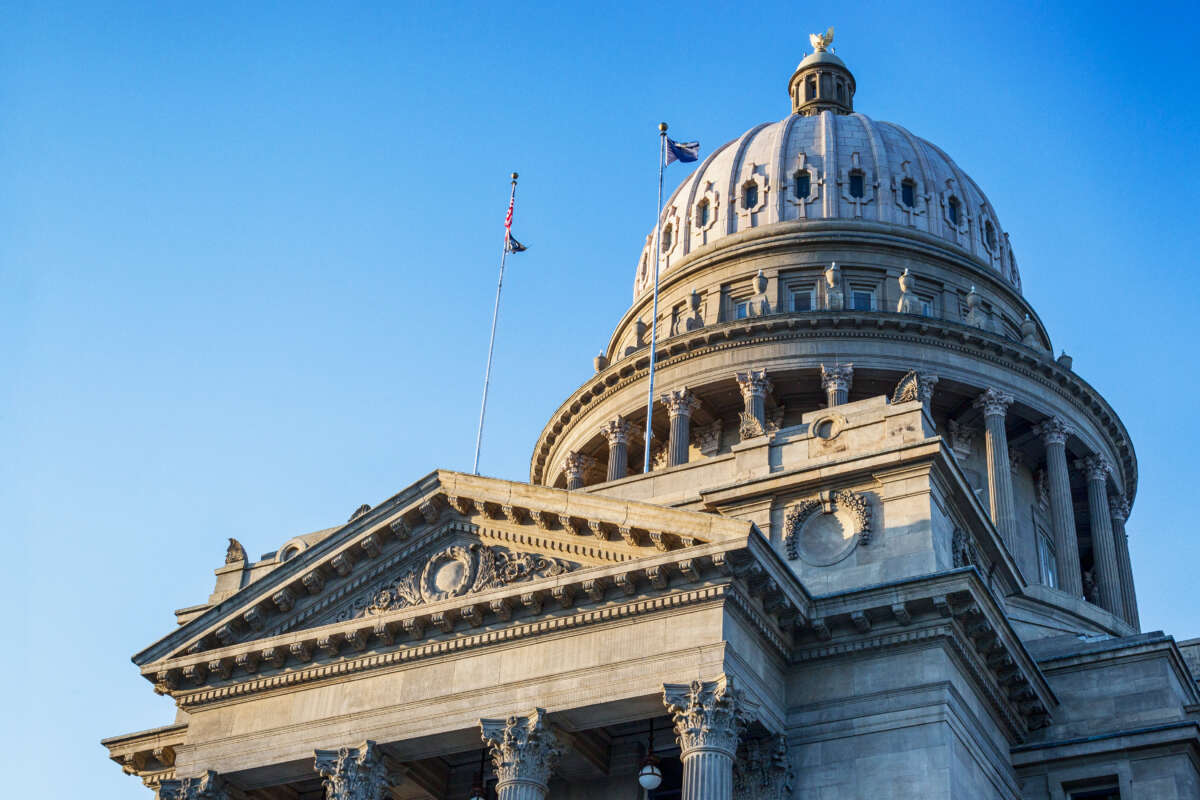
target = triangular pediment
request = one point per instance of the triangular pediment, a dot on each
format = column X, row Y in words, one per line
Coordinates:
column 449, row 535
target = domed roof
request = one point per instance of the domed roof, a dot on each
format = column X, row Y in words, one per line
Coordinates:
column 852, row 167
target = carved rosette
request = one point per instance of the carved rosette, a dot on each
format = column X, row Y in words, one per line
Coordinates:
column 524, row 749
column 763, row 770
column 208, row 786
column 352, row 773
column 708, row 715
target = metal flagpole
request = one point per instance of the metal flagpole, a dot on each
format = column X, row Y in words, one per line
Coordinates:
column 662, row 146
column 487, row 372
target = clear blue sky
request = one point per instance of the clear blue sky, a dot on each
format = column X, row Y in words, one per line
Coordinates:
column 248, row 253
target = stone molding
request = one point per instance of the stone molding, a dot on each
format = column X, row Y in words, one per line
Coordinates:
column 524, row 749
column 352, row 773
column 707, row 715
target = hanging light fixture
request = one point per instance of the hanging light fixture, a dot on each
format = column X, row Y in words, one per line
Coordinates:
column 477, row 791
column 649, row 775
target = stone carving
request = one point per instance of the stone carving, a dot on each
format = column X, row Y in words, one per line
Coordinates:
column 763, row 770
column 1091, row 591
column 909, row 303
column 1096, row 468
column 994, row 403
column 524, row 749
column 753, row 383
column 1029, row 336
column 358, row 512
column 759, row 304
column 616, row 431
column 963, row 551
column 829, row 541
column 575, row 465
column 960, row 439
column 708, row 438
column 1043, row 488
column 775, row 419
column 836, row 382
column 235, row 552
column 835, row 297
column 749, row 426
column 706, row 714
column 821, row 41
column 453, row 572
column 693, row 319
column 352, row 773
column 680, row 402
column 1118, row 508
column 976, row 316
column 208, row 786
column 915, row 386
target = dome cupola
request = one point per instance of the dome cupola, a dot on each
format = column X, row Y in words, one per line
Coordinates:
column 821, row 82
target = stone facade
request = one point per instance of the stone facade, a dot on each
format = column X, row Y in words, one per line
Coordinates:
column 882, row 551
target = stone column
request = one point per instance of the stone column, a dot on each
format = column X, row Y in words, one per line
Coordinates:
column 575, row 464
column 1118, row 512
column 1104, row 549
column 709, row 718
column 352, row 773
column 755, row 386
column 524, row 753
column 208, row 786
column 1000, row 492
column 616, row 433
column 836, row 383
column 680, row 404
column 1054, row 433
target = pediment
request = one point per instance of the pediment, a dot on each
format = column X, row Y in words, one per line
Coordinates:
column 447, row 536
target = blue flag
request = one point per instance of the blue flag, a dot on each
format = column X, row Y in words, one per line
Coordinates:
column 682, row 151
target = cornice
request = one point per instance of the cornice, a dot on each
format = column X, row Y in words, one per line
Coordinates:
column 875, row 325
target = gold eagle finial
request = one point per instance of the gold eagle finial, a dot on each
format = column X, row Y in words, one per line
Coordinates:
column 820, row 41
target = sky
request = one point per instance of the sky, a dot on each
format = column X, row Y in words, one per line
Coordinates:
column 248, row 255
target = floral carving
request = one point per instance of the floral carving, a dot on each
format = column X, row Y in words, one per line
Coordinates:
column 706, row 714
column 763, row 770
column 352, row 773
column 523, row 749
column 208, row 786
column 852, row 502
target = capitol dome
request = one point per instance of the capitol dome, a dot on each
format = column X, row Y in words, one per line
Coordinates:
column 828, row 166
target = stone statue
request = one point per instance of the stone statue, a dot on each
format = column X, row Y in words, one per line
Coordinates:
column 235, row 552
column 909, row 302
column 695, row 320
column 835, row 298
column 820, row 41
column 760, row 304
column 975, row 314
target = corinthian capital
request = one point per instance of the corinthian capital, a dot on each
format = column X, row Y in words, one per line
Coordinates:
column 208, row 786
column 1118, row 508
column 616, row 431
column 994, row 403
column 837, row 377
column 575, row 464
column 523, row 749
column 352, row 773
column 680, row 402
column 754, row 382
column 1054, row 430
column 1095, row 467
column 707, row 714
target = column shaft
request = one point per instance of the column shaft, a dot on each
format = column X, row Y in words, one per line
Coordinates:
column 709, row 718
column 708, row 775
column 680, row 404
column 1104, row 549
column 618, row 460
column 1118, row 512
column 1062, row 511
column 836, row 382
column 520, row 790
column 1000, row 493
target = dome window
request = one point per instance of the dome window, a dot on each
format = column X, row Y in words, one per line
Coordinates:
column 989, row 234
column 802, row 185
column 954, row 210
column 810, row 89
column 908, row 192
column 666, row 238
column 703, row 212
column 857, row 184
column 750, row 196
column 841, row 92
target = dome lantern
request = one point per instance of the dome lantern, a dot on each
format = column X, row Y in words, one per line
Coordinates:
column 821, row 82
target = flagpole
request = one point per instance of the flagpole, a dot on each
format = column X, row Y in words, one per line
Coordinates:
column 487, row 372
column 662, row 144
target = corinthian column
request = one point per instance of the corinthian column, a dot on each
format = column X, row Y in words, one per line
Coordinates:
column 1118, row 511
column 524, row 752
column 1104, row 549
column 616, row 433
column 680, row 404
column 352, row 773
column 574, row 465
column 208, row 786
column 755, row 386
column 1000, row 493
column 836, row 383
column 1054, row 433
column 709, row 718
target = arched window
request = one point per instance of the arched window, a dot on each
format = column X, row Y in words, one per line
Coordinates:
column 802, row 185
column 666, row 238
column 750, row 196
column 810, row 89
column 857, row 184
column 908, row 192
column 953, row 210
column 702, row 213
column 989, row 235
